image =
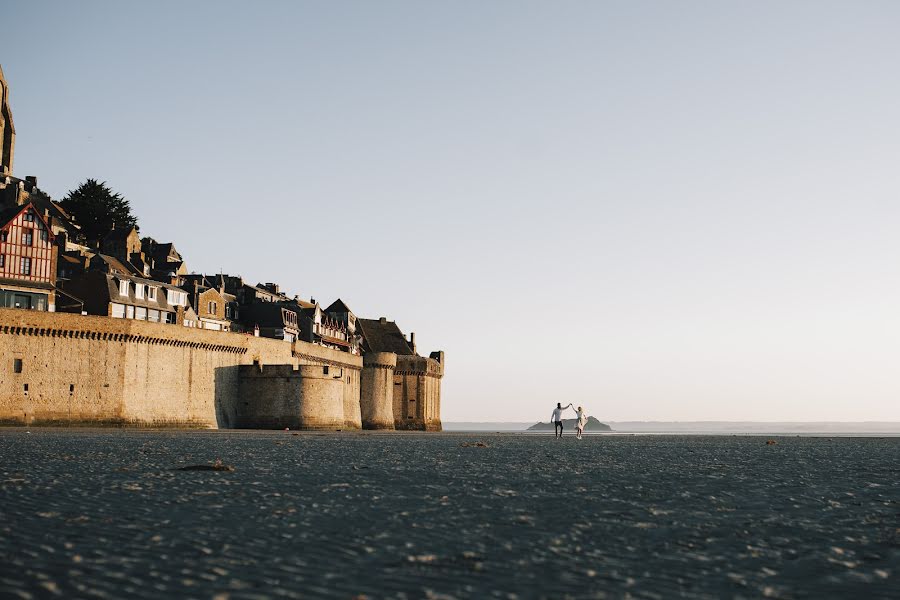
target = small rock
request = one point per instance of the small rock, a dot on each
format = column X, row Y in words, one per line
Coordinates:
column 771, row 442
column 217, row 466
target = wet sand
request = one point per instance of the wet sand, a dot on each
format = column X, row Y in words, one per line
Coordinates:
column 105, row 514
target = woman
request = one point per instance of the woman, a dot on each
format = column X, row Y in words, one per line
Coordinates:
column 580, row 423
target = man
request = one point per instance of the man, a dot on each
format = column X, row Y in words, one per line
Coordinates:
column 556, row 417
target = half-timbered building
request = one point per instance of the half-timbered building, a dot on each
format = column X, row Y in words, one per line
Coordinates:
column 27, row 260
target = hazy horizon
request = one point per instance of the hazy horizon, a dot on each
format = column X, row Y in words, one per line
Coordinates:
column 662, row 211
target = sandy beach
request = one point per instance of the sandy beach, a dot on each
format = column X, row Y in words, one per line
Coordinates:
column 106, row 514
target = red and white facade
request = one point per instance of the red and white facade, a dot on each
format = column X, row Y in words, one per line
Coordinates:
column 27, row 262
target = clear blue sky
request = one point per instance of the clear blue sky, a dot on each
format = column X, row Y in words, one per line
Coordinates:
column 659, row 210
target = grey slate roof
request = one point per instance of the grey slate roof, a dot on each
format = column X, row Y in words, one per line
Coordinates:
column 114, row 265
column 384, row 336
column 338, row 306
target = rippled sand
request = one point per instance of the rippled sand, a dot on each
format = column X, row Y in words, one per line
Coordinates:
column 87, row 513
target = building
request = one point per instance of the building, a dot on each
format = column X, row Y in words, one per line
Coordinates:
column 28, row 257
column 127, row 296
column 318, row 327
column 166, row 264
column 342, row 314
column 271, row 319
column 7, row 130
column 381, row 335
column 210, row 304
column 216, row 309
column 125, row 245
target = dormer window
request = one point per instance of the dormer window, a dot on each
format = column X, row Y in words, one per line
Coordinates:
column 139, row 291
column 123, row 288
column 151, row 293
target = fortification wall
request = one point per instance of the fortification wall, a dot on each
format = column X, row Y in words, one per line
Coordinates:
column 279, row 396
column 352, row 397
column 417, row 393
column 269, row 397
column 376, row 390
column 350, row 366
column 97, row 370
column 321, row 397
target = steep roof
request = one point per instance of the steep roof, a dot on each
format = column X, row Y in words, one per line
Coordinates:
column 8, row 214
column 118, row 234
column 12, row 212
column 338, row 306
column 116, row 265
column 383, row 336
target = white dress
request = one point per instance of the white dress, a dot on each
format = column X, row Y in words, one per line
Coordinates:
column 582, row 419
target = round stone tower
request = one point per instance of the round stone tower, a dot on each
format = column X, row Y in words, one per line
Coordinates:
column 321, row 398
column 376, row 398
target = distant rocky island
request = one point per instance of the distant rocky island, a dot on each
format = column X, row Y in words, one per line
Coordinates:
column 592, row 425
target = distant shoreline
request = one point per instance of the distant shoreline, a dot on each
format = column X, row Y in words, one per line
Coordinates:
column 706, row 427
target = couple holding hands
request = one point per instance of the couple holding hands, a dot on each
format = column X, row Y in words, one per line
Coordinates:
column 556, row 417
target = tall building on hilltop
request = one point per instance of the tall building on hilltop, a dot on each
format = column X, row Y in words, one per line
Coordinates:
column 28, row 253
column 7, row 130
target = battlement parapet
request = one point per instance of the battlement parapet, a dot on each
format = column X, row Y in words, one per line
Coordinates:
column 380, row 360
column 419, row 365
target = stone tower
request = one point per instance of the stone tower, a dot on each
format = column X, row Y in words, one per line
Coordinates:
column 7, row 130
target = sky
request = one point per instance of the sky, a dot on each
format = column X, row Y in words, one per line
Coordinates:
column 656, row 210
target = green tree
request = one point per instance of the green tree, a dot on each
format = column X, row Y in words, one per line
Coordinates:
column 98, row 209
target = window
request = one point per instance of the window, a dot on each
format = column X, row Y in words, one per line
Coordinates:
column 175, row 298
column 123, row 288
column 2, row 261
column 129, row 312
column 29, row 217
column 3, row 235
column 139, row 291
column 151, row 293
column 153, row 315
column 211, row 308
column 324, row 370
column 25, row 266
column 140, row 314
column 45, row 235
column 118, row 311
column 17, row 365
column 27, row 237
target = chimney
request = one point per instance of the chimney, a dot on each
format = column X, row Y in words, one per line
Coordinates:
column 31, row 179
column 412, row 341
column 312, row 300
column 382, row 320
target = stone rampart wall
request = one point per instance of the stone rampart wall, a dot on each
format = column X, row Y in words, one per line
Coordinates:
column 376, row 390
column 417, row 393
column 279, row 396
column 98, row 370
